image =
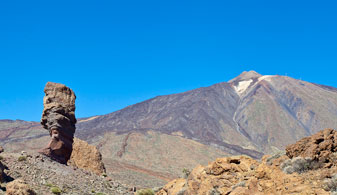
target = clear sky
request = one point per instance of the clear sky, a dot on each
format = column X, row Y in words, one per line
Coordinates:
column 116, row 53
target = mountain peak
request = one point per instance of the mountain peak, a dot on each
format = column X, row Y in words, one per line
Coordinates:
column 246, row 75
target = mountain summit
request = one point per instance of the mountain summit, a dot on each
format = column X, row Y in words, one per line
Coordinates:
column 246, row 76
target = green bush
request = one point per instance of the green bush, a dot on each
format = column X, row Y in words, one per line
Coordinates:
column 145, row 192
column 99, row 193
column 55, row 190
column 49, row 185
column 22, row 158
column 1, row 157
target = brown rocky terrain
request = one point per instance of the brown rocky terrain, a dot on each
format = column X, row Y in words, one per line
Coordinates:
column 313, row 161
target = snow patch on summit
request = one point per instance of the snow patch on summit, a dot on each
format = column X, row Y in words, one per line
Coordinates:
column 266, row 77
column 242, row 86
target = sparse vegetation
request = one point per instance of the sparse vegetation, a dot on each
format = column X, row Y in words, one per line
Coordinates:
column 186, row 173
column 331, row 184
column 99, row 193
column 49, row 185
column 240, row 184
column 104, row 175
column 55, row 190
column 214, row 191
column 299, row 165
column 145, row 192
column 276, row 155
column 22, row 158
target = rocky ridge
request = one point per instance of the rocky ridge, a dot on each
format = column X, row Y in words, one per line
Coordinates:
column 311, row 173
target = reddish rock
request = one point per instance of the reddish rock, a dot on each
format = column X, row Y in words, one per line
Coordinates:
column 58, row 118
column 318, row 146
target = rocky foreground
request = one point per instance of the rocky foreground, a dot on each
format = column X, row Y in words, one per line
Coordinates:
column 36, row 173
column 307, row 167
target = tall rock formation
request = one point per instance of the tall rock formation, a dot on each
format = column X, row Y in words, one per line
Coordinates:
column 58, row 118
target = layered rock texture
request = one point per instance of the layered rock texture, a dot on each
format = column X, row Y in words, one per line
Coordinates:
column 58, row 118
column 86, row 157
column 244, row 175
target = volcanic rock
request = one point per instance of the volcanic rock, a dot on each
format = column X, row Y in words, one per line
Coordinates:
column 58, row 118
column 86, row 157
column 319, row 146
column 240, row 175
column 2, row 173
column 244, row 175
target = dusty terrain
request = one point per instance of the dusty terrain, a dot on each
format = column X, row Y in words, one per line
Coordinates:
column 42, row 174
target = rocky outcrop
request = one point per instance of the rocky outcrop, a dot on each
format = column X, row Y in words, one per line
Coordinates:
column 86, row 157
column 58, row 118
column 18, row 187
column 243, row 175
column 318, row 147
column 240, row 175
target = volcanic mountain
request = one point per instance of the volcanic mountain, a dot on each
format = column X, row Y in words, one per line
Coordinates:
column 250, row 114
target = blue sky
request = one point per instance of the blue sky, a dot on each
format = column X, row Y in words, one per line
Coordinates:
column 117, row 53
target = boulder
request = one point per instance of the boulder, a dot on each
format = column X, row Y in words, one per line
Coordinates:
column 87, row 157
column 58, row 118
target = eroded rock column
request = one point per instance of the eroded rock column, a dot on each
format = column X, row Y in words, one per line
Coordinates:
column 58, row 118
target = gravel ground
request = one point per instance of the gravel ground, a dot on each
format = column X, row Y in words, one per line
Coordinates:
column 43, row 174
